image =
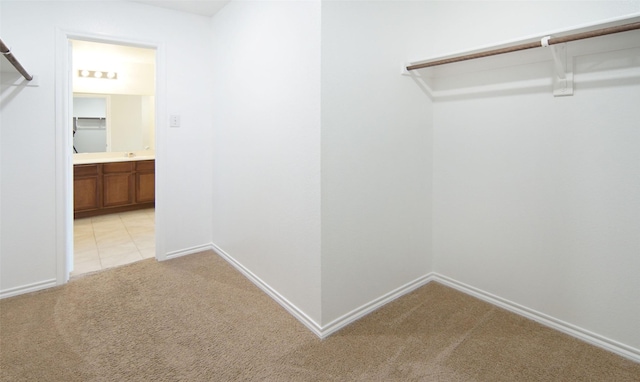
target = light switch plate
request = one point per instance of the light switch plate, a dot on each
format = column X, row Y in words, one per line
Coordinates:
column 174, row 121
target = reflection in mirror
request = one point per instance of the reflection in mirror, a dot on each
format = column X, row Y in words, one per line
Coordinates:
column 90, row 124
column 112, row 123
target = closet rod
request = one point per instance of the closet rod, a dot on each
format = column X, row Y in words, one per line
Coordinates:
column 4, row 49
column 530, row 45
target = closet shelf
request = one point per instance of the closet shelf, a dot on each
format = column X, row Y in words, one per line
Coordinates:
column 563, row 46
column 617, row 25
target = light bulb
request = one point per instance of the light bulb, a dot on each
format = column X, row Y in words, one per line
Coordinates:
column 111, row 75
column 97, row 74
column 84, row 73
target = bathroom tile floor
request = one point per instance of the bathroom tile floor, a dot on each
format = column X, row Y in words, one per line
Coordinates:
column 107, row 241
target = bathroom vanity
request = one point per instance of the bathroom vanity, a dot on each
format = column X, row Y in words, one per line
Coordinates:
column 104, row 185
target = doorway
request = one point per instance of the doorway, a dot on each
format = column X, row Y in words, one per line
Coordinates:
column 113, row 109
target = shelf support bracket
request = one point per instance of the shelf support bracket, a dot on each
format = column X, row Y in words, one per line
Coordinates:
column 563, row 65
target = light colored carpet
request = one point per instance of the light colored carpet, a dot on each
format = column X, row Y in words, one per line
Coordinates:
column 196, row 318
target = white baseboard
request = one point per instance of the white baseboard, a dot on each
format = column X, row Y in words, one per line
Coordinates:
column 28, row 288
column 335, row 325
column 188, row 251
column 546, row 320
column 53, row 282
column 339, row 323
column 371, row 306
column 286, row 304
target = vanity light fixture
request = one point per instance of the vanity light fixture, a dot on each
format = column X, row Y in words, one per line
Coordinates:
column 98, row 74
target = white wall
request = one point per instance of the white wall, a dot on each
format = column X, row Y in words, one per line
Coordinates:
column 536, row 197
column 266, row 144
column 29, row 173
column 526, row 196
column 376, row 153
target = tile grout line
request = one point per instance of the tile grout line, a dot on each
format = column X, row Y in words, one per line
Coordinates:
column 95, row 241
column 131, row 236
column 145, row 215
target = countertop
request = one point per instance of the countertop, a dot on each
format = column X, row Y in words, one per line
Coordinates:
column 91, row 158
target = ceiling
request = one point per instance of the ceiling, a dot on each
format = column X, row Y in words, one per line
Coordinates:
column 198, row 7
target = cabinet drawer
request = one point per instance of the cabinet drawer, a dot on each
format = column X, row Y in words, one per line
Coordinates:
column 145, row 165
column 85, row 170
column 110, row 168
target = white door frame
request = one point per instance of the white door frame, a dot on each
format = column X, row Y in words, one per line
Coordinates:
column 64, row 143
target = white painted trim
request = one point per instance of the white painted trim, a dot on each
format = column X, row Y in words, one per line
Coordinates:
column 28, row 288
column 64, row 142
column 371, row 306
column 160, row 137
column 187, row 251
column 63, row 158
column 339, row 323
column 546, row 320
column 286, row 304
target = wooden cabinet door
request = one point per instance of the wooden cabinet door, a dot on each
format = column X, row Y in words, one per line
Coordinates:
column 86, row 188
column 145, row 187
column 117, row 184
column 145, row 181
column 85, row 194
column 113, row 187
column 117, row 189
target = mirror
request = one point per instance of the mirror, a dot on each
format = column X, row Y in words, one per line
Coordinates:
column 113, row 122
column 113, row 97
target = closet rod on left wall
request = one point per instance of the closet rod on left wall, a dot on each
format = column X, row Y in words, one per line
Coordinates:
column 4, row 49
